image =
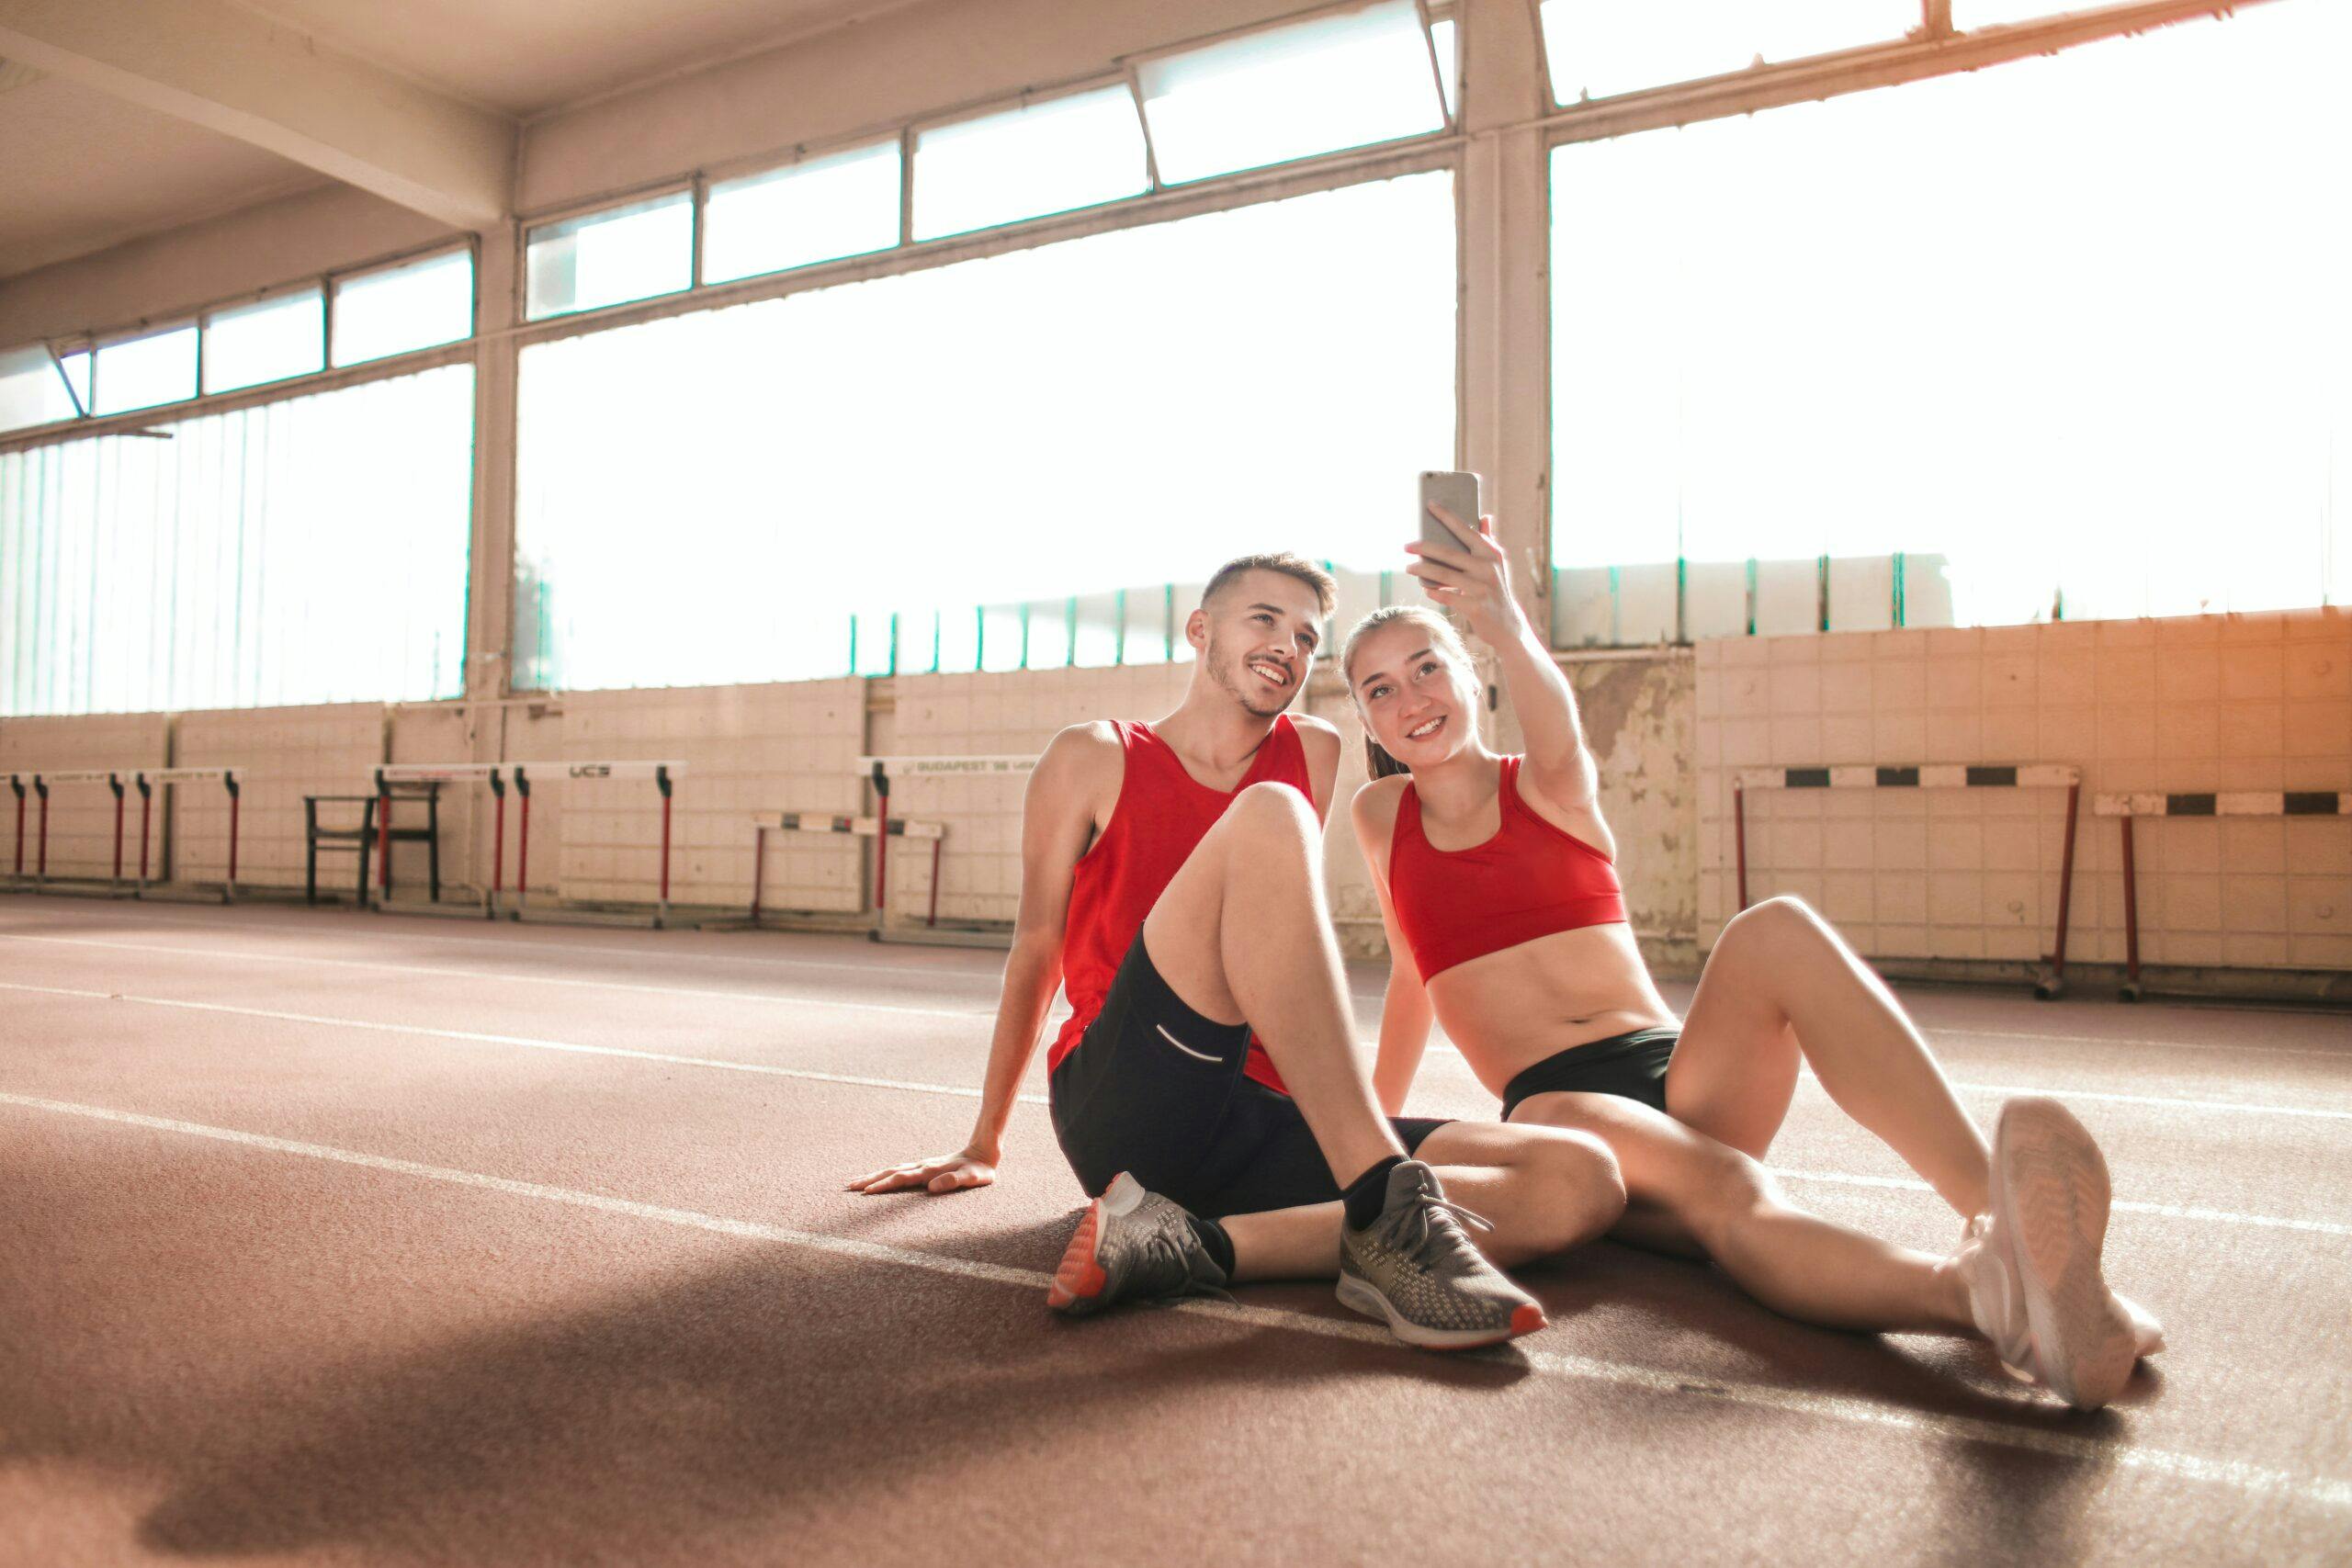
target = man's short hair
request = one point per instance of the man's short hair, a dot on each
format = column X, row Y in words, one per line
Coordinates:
column 1327, row 591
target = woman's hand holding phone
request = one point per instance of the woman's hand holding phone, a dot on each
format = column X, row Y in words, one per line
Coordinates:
column 1472, row 576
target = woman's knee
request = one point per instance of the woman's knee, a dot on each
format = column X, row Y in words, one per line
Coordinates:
column 1721, row 1189
column 1580, row 1190
column 1782, row 918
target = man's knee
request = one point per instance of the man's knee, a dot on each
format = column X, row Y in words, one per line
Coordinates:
column 1273, row 809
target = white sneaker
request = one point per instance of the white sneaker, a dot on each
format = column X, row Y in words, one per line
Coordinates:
column 1997, row 1300
column 2031, row 1266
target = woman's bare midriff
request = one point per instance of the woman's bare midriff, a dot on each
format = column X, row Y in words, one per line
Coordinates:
column 1510, row 1009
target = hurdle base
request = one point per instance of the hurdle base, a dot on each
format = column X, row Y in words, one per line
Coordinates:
column 2049, row 985
column 917, row 935
column 71, row 886
column 447, row 910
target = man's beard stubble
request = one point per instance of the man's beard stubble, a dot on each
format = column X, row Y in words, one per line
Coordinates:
column 1243, row 687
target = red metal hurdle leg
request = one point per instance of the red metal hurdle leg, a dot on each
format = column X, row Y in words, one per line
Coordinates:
column 2056, row 982
column 146, row 806
column 2130, row 919
column 1739, row 835
column 114, row 782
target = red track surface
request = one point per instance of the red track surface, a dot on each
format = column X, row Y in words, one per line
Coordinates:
column 340, row 1238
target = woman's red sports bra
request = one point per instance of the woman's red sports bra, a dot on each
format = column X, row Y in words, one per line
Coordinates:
column 1531, row 879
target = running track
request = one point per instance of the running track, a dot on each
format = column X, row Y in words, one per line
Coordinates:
column 333, row 1238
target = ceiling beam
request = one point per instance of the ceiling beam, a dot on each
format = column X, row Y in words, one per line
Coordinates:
column 232, row 71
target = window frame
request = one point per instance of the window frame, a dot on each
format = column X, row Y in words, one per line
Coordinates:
column 1449, row 121
column 328, row 378
column 694, row 185
column 1935, row 50
column 913, row 134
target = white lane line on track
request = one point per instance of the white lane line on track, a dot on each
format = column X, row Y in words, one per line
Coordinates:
column 2245, row 1107
column 2120, row 1205
column 440, row 973
column 476, row 944
column 766, row 998
column 962, row 1092
column 2237, row 1475
column 529, row 1042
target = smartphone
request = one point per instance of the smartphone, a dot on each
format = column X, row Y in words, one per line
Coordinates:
column 1462, row 494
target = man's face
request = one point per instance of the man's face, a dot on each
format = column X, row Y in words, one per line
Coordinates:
column 1258, row 639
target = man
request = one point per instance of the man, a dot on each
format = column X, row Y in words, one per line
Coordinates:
column 1206, row 1089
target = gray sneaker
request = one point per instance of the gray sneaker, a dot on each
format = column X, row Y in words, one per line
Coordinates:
column 1131, row 1246
column 1416, row 1269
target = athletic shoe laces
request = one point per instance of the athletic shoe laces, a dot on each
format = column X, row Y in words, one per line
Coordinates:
column 1434, row 1227
column 1174, row 1265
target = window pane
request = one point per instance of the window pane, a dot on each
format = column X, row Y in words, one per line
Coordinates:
column 31, row 389
column 1595, row 48
column 614, row 256
column 1448, row 60
column 1050, row 157
column 1290, row 92
column 266, row 341
column 401, row 308
column 307, row 550
column 2010, row 368
column 963, row 445
column 845, row 205
column 76, row 367
column 141, row 372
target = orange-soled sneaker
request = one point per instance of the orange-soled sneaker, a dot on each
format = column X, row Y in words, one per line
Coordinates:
column 1131, row 1245
column 1417, row 1270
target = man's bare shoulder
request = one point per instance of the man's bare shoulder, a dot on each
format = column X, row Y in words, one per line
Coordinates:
column 1081, row 755
column 1315, row 732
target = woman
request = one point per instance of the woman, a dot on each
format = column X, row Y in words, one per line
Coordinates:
column 1506, row 922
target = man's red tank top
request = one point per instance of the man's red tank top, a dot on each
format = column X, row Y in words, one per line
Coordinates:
column 1161, row 814
column 1531, row 879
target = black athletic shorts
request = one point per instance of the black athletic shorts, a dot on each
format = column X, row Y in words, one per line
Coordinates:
column 1630, row 1066
column 1155, row 1090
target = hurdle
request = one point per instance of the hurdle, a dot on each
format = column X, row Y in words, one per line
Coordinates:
column 146, row 779
column 881, row 771
column 520, row 777
column 2051, row 982
column 44, row 781
column 2250, row 803
column 766, row 822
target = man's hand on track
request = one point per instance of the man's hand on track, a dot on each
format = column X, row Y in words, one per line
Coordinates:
column 939, row 1174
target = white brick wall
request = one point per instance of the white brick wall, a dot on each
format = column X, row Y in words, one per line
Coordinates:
column 791, row 747
column 81, row 816
column 281, row 755
column 2254, row 702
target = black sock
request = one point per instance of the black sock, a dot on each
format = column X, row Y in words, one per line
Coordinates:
column 1213, row 1241
column 1368, row 1193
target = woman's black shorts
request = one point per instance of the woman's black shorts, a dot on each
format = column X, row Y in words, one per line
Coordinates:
column 1630, row 1066
column 1155, row 1090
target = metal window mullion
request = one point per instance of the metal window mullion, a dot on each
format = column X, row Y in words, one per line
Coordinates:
column 906, row 184
column 1143, row 119
column 698, row 198
column 1437, row 70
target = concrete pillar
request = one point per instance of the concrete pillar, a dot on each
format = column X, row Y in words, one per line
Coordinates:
column 490, row 609
column 1505, row 215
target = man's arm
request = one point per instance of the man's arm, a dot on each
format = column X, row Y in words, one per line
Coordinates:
column 1057, row 825
column 1319, row 740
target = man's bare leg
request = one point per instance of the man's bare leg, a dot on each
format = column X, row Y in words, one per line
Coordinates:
column 1241, row 934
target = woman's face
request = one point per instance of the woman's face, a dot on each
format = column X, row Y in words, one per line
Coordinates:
column 1419, row 702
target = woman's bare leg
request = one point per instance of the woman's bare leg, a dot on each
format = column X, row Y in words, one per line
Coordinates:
column 1688, row 1193
column 1542, row 1188
column 1782, row 987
